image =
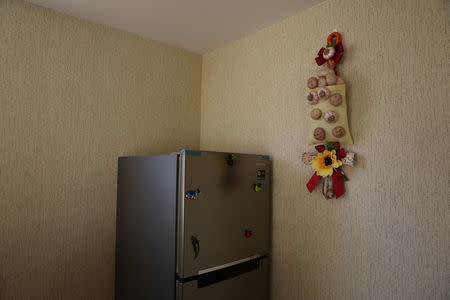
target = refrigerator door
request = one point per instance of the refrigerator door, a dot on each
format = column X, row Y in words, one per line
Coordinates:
column 243, row 282
column 224, row 210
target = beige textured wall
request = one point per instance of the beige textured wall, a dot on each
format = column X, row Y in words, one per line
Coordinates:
column 389, row 237
column 73, row 97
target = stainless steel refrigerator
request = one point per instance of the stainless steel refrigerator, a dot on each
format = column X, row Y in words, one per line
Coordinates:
column 194, row 225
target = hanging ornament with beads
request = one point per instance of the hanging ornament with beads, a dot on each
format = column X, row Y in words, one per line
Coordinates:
column 326, row 100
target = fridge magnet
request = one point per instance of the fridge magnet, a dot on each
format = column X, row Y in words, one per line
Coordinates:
column 192, row 194
column 231, row 158
column 326, row 100
column 261, row 174
column 195, row 246
column 257, row 187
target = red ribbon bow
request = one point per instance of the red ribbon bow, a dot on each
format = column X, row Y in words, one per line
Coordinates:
column 333, row 61
column 337, row 179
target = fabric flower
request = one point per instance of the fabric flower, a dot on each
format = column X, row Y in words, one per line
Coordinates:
column 330, row 116
column 312, row 98
column 324, row 163
column 323, row 93
column 332, row 53
column 328, row 53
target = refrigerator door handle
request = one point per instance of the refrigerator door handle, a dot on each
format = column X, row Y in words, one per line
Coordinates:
column 236, row 262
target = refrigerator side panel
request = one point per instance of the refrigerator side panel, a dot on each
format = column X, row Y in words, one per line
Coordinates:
column 146, row 228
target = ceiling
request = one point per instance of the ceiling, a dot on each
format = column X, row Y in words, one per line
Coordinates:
column 195, row 25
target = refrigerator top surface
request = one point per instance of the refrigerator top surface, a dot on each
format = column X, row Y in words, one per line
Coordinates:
column 199, row 152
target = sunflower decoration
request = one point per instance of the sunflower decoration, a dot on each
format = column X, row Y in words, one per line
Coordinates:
column 327, row 165
column 324, row 163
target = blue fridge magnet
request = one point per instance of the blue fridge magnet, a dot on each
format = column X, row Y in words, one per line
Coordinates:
column 192, row 194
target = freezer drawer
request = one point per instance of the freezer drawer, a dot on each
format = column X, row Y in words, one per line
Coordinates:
column 247, row 281
column 228, row 220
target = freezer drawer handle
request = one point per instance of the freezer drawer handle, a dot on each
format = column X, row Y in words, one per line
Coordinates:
column 211, row 278
column 229, row 264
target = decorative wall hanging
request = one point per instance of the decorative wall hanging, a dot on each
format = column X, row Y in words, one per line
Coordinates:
column 327, row 164
column 327, row 104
